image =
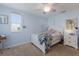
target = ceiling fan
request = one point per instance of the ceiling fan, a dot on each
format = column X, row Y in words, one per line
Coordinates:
column 47, row 8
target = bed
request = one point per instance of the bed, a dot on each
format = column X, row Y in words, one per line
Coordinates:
column 53, row 37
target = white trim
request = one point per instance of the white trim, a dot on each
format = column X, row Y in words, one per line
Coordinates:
column 17, row 44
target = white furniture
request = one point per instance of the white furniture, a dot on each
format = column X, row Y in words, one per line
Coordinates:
column 35, row 41
column 71, row 33
column 56, row 37
column 71, row 39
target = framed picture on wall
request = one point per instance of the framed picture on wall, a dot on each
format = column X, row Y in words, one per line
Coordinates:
column 3, row 19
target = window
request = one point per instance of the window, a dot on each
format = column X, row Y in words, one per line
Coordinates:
column 15, row 22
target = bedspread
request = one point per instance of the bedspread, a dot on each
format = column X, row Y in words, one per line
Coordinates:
column 47, row 39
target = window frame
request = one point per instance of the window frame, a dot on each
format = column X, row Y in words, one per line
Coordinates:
column 18, row 30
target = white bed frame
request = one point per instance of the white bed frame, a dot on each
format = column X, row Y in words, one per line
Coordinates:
column 35, row 41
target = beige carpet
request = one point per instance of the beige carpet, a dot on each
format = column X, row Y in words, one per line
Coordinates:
column 31, row 50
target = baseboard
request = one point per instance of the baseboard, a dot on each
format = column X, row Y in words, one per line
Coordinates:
column 17, row 44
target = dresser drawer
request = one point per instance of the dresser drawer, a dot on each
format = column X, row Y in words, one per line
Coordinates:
column 71, row 41
column 67, row 42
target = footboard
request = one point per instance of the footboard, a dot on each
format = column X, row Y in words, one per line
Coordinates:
column 45, row 46
column 35, row 41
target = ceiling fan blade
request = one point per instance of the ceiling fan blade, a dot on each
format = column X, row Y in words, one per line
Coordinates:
column 63, row 11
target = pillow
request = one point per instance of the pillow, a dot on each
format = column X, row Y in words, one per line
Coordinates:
column 50, row 30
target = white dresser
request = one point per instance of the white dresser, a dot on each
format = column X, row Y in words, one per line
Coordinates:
column 71, row 33
column 71, row 39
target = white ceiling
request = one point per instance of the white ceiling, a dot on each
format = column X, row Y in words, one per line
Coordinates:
column 34, row 7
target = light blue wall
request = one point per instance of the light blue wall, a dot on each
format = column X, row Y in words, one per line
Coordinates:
column 57, row 21
column 33, row 23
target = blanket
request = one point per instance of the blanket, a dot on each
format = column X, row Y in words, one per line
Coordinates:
column 46, row 39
